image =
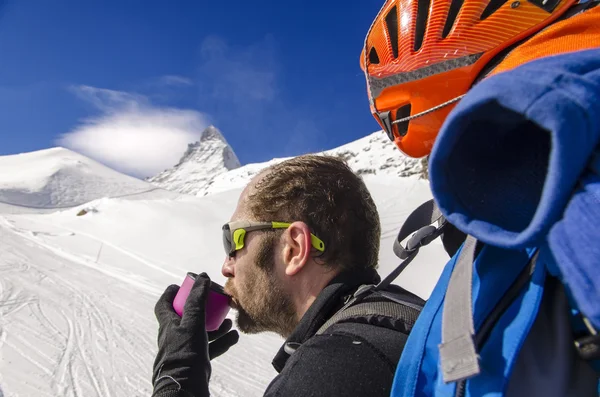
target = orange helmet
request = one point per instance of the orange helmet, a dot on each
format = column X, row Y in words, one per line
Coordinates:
column 422, row 56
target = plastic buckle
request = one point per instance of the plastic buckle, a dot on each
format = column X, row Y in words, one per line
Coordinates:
column 422, row 237
column 588, row 346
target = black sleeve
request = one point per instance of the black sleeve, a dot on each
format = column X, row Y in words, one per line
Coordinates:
column 340, row 364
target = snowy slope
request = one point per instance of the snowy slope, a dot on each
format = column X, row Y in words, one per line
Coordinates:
column 78, row 292
column 59, row 178
column 201, row 163
column 374, row 154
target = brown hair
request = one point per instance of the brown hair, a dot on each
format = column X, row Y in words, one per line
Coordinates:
column 323, row 192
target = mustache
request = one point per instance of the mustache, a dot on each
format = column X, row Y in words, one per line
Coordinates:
column 230, row 290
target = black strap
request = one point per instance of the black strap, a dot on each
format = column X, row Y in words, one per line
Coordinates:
column 507, row 299
column 405, row 312
column 418, row 221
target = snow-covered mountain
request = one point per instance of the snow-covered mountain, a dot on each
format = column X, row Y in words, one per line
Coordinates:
column 203, row 170
column 60, row 178
column 373, row 155
column 204, row 160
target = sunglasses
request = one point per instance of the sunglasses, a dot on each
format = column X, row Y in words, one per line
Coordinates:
column 235, row 232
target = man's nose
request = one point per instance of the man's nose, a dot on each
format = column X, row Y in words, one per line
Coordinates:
column 228, row 269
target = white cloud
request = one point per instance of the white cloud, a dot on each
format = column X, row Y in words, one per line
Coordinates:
column 110, row 101
column 173, row 80
column 131, row 135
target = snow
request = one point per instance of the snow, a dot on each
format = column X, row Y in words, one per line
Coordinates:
column 77, row 292
column 201, row 172
column 59, row 178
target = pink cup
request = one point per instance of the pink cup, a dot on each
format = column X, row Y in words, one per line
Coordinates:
column 217, row 304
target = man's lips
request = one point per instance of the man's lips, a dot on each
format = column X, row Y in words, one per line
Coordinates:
column 233, row 303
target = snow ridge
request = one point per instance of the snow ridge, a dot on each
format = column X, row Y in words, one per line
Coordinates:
column 59, row 178
column 200, row 173
column 204, row 160
column 373, row 155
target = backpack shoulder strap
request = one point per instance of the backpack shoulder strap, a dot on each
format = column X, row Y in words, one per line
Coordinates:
column 395, row 308
column 376, row 300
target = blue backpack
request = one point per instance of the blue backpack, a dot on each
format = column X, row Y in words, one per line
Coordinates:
column 516, row 311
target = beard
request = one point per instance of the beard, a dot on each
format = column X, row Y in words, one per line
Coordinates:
column 262, row 303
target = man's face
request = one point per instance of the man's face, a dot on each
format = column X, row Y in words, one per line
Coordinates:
column 255, row 282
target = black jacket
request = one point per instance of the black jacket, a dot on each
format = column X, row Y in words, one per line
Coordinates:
column 350, row 359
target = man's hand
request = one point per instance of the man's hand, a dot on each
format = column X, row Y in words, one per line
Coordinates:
column 182, row 365
column 222, row 339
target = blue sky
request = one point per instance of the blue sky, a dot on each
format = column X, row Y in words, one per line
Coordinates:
column 142, row 78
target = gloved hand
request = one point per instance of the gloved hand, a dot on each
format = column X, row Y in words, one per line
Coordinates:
column 222, row 339
column 182, row 366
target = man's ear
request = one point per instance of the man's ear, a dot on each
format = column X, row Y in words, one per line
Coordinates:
column 297, row 247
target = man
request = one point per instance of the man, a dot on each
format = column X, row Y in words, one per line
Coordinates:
column 304, row 237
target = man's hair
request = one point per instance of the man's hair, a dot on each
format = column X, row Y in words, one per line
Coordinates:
column 323, row 192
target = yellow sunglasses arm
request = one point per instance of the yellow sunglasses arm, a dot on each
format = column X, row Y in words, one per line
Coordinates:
column 316, row 242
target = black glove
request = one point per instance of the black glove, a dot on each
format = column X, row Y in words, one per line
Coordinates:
column 182, row 365
column 222, row 339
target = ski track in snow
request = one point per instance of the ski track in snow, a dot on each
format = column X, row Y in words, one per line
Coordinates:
column 72, row 335
column 72, row 338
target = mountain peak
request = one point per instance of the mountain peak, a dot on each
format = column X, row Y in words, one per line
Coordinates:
column 200, row 164
column 211, row 133
column 210, row 138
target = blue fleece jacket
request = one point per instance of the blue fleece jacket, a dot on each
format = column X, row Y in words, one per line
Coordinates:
column 516, row 165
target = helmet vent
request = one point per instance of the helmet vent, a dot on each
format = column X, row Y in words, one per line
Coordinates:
column 492, row 7
column 401, row 113
column 422, row 16
column 455, row 7
column 391, row 22
column 373, row 57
